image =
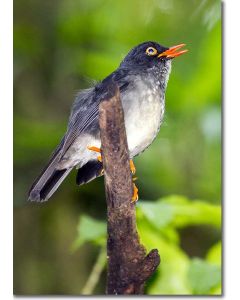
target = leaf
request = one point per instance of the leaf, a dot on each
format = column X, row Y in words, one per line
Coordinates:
column 90, row 230
column 158, row 213
column 195, row 212
column 203, row 276
column 157, row 223
column 171, row 275
column 178, row 211
column 214, row 255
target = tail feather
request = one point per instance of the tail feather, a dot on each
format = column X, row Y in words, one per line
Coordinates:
column 44, row 192
column 89, row 171
column 50, row 167
column 49, row 179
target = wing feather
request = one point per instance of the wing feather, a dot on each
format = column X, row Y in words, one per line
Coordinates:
column 84, row 113
column 85, row 109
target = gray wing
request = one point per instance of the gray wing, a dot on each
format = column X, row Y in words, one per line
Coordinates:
column 84, row 113
column 85, row 109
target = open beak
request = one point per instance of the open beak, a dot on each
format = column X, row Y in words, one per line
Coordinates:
column 173, row 51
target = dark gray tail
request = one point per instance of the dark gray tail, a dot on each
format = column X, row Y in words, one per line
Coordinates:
column 43, row 191
column 50, row 178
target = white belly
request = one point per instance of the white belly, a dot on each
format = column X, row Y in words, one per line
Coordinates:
column 143, row 120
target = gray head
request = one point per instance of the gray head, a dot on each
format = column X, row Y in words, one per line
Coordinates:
column 152, row 57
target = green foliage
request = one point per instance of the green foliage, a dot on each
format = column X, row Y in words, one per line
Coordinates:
column 178, row 211
column 90, row 230
column 214, row 255
column 203, row 276
column 158, row 224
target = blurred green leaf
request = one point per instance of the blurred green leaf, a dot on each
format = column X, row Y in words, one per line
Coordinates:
column 157, row 224
column 90, row 230
column 179, row 212
column 158, row 213
column 171, row 275
column 203, row 276
column 214, row 254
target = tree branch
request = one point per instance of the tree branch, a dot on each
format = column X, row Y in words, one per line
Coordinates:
column 128, row 265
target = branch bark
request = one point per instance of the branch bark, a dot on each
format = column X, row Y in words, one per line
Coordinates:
column 128, row 265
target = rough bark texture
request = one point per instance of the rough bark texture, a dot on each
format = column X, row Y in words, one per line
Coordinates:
column 128, row 265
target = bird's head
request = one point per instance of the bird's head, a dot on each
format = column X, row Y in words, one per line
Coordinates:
column 150, row 54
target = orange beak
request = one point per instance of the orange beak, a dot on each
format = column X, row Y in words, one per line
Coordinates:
column 173, row 51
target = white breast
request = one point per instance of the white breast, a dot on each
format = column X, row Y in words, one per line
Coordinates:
column 143, row 112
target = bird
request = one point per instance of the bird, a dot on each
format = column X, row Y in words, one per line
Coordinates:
column 142, row 78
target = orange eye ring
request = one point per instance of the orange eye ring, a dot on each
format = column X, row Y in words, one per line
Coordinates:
column 151, row 51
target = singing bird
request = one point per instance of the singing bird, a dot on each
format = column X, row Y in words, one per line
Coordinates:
column 142, row 79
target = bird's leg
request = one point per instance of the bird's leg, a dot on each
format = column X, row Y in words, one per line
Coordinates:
column 135, row 193
column 135, row 189
column 96, row 149
column 132, row 168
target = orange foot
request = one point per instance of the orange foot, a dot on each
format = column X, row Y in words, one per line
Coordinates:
column 132, row 167
column 135, row 189
column 96, row 149
column 135, row 193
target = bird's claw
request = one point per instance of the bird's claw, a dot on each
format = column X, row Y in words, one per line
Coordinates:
column 135, row 193
column 132, row 167
column 135, row 189
column 96, row 149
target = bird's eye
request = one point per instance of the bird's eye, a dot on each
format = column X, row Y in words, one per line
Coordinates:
column 151, row 51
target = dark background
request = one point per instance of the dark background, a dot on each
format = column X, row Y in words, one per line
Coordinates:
column 61, row 46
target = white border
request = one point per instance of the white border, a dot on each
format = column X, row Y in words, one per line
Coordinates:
column 6, row 121
column 231, row 150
